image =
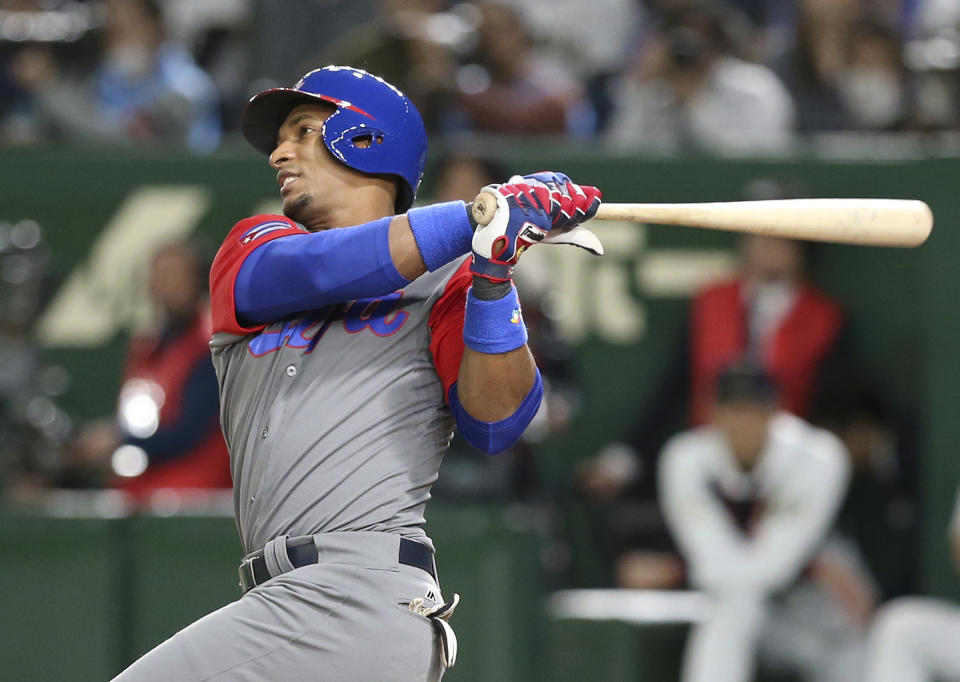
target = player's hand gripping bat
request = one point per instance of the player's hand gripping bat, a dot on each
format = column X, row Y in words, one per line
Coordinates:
column 871, row 222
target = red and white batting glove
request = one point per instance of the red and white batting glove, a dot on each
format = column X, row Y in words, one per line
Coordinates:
column 543, row 207
column 522, row 218
column 573, row 204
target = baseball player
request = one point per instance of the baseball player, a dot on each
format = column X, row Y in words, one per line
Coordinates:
column 914, row 639
column 749, row 498
column 348, row 342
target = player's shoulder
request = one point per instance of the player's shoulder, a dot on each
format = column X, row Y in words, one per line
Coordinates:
column 258, row 226
column 813, row 446
column 750, row 80
column 688, row 458
column 691, row 447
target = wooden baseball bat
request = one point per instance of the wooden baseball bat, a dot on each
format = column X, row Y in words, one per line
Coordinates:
column 872, row 222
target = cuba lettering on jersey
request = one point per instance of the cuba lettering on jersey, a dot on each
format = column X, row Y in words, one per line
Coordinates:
column 335, row 418
column 380, row 316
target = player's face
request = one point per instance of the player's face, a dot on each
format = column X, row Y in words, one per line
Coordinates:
column 772, row 259
column 314, row 186
column 460, row 180
column 173, row 282
column 744, row 425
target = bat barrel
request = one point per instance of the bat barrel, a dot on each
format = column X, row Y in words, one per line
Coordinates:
column 878, row 222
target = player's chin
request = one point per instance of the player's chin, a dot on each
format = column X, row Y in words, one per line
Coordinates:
column 295, row 207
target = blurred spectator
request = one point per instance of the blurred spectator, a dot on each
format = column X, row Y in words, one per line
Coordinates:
column 513, row 88
column 414, row 44
column 219, row 34
column 691, row 90
column 588, row 38
column 167, row 430
column 769, row 313
column 460, row 176
column 932, row 16
column 33, row 427
column 814, row 62
column 61, row 28
column 774, row 21
column 289, row 33
column 750, row 498
column 145, row 90
column 932, row 54
column 914, row 639
column 874, row 85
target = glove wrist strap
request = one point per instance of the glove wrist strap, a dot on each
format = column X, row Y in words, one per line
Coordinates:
column 488, row 290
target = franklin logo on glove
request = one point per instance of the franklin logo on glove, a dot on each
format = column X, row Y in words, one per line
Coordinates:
column 532, row 233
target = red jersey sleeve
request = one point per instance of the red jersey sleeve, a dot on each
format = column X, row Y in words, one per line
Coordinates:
column 245, row 237
column 446, row 326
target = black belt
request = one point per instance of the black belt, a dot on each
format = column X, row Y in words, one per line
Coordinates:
column 303, row 552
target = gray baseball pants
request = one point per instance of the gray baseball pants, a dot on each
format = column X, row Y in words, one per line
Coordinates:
column 343, row 619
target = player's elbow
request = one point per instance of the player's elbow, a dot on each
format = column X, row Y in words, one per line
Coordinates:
column 499, row 436
column 488, row 439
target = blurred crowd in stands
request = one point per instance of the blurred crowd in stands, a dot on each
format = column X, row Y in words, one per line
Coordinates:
column 725, row 76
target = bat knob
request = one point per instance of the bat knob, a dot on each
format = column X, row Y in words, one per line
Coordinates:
column 484, row 208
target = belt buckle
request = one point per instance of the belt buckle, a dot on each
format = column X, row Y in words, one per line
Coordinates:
column 248, row 579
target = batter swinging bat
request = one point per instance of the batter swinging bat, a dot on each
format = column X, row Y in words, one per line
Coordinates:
column 871, row 222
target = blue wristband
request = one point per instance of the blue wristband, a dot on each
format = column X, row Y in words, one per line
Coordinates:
column 442, row 231
column 494, row 326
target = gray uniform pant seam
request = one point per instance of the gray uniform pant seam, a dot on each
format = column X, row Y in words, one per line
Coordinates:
column 283, row 645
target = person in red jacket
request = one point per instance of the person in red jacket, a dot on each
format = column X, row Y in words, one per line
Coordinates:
column 166, row 433
column 769, row 315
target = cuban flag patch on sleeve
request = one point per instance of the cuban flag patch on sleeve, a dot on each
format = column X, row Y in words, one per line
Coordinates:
column 263, row 229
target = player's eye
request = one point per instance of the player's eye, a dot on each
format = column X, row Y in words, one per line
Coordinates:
column 305, row 130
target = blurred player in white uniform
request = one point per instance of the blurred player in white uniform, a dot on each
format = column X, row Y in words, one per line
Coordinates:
column 916, row 639
column 750, row 499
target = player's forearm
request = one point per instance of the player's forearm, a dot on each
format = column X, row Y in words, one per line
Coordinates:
column 491, row 387
column 308, row 271
column 498, row 389
column 776, row 561
column 787, row 536
column 404, row 252
column 491, row 399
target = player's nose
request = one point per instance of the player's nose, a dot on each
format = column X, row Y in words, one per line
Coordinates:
column 282, row 153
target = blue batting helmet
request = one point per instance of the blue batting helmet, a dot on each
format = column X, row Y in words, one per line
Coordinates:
column 367, row 108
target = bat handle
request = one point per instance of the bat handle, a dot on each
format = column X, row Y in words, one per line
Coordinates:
column 484, row 208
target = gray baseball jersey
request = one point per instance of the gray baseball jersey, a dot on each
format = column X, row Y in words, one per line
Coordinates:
column 336, row 424
column 335, row 419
